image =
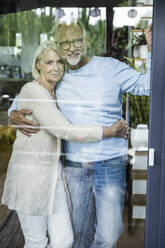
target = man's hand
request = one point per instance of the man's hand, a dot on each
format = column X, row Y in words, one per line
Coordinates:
column 24, row 125
column 148, row 34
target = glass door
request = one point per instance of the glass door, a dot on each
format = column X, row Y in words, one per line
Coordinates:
column 129, row 46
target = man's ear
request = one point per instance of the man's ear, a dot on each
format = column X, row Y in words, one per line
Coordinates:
column 85, row 46
column 85, row 42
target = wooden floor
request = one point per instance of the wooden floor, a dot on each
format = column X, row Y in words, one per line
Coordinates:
column 3, row 209
column 135, row 238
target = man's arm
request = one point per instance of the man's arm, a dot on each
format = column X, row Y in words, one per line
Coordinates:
column 14, row 106
column 129, row 80
column 18, row 118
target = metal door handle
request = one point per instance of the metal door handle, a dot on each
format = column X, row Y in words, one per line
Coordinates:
column 151, row 157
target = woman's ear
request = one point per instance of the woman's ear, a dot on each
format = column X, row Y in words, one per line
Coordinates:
column 38, row 67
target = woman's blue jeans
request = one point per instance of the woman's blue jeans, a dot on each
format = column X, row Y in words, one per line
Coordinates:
column 97, row 192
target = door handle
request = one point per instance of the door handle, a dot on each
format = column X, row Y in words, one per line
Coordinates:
column 151, row 157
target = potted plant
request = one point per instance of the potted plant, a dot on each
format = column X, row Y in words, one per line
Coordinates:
column 138, row 105
column 139, row 44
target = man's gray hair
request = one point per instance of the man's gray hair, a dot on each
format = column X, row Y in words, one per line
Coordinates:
column 44, row 45
column 59, row 26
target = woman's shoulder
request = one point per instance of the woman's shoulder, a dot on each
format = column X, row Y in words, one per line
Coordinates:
column 28, row 86
column 33, row 89
column 32, row 84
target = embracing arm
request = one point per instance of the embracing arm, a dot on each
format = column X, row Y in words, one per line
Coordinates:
column 45, row 111
column 14, row 105
column 17, row 117
column 51, row 119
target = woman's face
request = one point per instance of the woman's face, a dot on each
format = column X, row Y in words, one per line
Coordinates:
column 50, row 65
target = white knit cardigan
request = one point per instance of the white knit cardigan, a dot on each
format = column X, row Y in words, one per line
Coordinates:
column 33, row 168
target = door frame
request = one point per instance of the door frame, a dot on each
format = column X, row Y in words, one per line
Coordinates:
column 155, row 210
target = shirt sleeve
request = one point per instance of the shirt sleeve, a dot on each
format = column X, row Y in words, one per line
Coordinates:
column 133, row 82
column 51, row 119
column 14, row 105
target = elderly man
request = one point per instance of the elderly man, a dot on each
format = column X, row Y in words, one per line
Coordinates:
column 91, row 93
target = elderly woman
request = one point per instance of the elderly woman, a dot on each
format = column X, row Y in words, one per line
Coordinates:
column 34, row 184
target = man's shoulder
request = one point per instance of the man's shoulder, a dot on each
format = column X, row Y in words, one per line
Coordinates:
column 106, row 62
column 102, row 59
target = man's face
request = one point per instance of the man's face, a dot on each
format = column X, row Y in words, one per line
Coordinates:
column 72, row 44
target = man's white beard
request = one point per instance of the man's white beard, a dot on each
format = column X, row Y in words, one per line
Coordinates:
column 73, row 61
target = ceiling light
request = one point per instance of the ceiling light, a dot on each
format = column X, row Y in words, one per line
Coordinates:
column 132, row 13
column 59, row 13
column 95, row 12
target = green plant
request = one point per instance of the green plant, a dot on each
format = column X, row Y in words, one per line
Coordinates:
column 95, row 33
column 132, row 63
column 138, row 39
column 123, row 3
column 142, row 24
column 120, row 37
column 138, row 105
column 96, row 38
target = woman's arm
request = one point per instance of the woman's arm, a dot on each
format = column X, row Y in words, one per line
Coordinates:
column 51, row 119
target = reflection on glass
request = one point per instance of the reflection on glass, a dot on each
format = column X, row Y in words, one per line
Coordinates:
column 35, row 27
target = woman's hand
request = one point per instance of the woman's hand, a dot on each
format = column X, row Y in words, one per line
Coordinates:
column 24, row 125
column 119, row 129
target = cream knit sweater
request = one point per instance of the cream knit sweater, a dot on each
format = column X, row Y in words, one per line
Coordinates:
column 33, row 168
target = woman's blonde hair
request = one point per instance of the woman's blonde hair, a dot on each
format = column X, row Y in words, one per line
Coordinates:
column 44, row 45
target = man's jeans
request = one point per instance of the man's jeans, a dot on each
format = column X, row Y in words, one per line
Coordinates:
column 97, row 192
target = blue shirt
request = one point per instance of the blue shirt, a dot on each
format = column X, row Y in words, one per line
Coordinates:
column 92, row 94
